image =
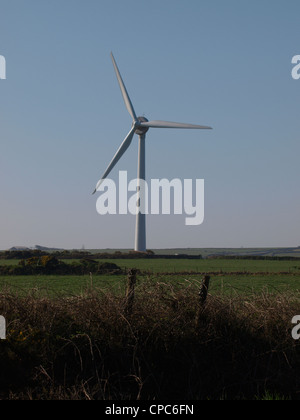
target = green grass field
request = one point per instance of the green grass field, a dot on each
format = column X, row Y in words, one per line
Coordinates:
column 205, row 265
column 210, row 265
column 227, row 276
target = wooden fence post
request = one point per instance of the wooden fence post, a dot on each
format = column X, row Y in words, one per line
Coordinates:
column 204, row 290
column 131, row 282
column 202, row 298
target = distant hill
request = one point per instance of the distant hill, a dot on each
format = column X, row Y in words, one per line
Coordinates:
column 254, row 252
column 45, row 249
column 204, row 252
column 209, row 252
column 36, row 247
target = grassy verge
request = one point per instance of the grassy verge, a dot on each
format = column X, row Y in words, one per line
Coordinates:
column 85, row 347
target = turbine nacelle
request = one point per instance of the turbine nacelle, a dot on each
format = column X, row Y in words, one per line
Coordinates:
column 140, row 130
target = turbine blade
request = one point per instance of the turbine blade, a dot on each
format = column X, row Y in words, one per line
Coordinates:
column 122, row 149
column 125, row 95
column 166, row 124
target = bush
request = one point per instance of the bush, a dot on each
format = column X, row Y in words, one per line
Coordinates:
column 51, row 265
column 85, row 347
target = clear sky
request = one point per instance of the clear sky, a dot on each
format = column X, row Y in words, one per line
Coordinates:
column 213, row 62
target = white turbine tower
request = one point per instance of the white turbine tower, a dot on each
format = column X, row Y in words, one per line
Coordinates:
column 140, row 126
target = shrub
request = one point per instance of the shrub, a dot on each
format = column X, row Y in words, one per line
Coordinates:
column 85, row 347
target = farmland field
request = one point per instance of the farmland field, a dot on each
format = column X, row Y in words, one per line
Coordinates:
column 207, row 265
column 227, row 276
column 198, row 265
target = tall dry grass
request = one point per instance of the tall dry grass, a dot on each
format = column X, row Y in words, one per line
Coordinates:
column 86, row 347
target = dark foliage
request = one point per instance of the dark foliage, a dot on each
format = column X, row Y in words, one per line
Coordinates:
column 87, row 348
column 48, row 264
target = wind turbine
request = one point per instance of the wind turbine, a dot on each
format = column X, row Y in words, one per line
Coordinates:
column 140, row 126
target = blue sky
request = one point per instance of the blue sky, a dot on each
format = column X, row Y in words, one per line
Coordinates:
column 224, row 64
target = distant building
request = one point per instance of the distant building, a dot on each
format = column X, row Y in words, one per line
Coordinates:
column 19, row 248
